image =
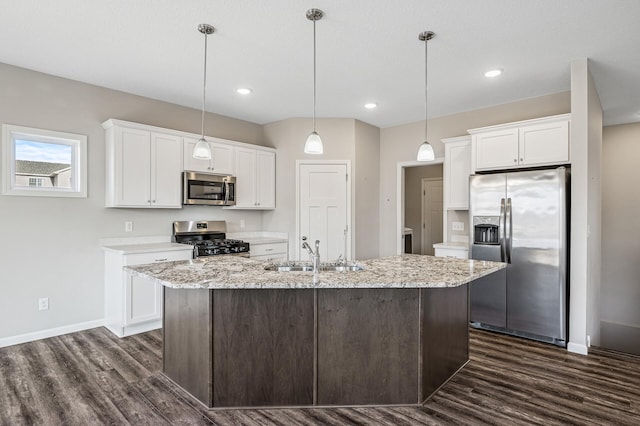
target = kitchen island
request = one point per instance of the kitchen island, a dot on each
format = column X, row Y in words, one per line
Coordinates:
column 236, row 335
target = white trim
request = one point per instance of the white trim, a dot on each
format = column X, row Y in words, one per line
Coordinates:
column 347, row 163
column 51, row 332
column 577, row 348
column 400, row 196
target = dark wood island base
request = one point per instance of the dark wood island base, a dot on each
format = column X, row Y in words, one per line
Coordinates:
column 314, row 347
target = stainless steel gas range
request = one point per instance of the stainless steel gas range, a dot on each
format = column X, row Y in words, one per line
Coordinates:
column 208, row 238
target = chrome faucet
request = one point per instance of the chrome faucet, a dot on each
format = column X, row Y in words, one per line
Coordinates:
column 315, row 256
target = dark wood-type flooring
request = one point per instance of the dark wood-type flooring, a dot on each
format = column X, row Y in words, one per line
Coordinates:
column 92, row 377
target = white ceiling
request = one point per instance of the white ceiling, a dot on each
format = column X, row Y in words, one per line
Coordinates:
column 368, row 51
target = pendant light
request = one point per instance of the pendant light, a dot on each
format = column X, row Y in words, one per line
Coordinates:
column 425, row 153
column 202, row 151
column 313, row 145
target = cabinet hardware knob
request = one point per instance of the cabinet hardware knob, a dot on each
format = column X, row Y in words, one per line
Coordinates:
column 161, row 260
column 269, row 249
column 515, row 160
column 521, row 159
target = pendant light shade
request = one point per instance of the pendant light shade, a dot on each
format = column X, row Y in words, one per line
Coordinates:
column 425, row 152
column 202, row 151
column 313, row 145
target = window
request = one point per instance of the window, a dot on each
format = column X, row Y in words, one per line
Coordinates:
column 38, row 162
column 35, row 181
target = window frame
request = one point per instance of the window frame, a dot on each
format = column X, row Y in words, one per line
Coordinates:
column 78, row 144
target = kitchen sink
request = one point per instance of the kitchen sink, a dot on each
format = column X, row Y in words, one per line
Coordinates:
column 306, row 267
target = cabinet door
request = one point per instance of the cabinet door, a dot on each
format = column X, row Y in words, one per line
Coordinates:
column 496, row 150
column 143, row 297
column 222, row 158
column 546, row 143
column 245, row 178
column 457, row 165
column 266, row 180
column 166, row 170
column 133, row 167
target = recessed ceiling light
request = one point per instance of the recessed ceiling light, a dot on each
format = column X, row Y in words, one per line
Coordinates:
column 370, row 105
column 493, row 73
column 244, row 91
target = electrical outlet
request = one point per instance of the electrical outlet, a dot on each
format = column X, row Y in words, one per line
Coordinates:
column 128, row 226
column 457, row 226
column 43, row 303
column 242, row 224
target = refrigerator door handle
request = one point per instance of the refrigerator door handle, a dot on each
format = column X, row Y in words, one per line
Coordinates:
column 501, row 231
column 508, row 230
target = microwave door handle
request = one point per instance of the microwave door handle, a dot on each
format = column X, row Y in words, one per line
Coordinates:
column 501, row 231
column 226, row 193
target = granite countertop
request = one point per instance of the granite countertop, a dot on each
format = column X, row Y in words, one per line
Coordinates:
column 233, row 272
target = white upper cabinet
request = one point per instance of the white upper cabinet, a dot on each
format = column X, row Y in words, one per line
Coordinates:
column 538, row 142
column 143, row 167
column 457, row 168
column 255, row 179
column 222, row 158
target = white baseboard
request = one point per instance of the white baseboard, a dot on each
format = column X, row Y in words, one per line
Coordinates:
column 51, row 332
column 577, row 348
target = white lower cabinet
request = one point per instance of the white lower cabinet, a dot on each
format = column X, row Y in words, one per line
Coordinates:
column 270, row 252
column 134, row 304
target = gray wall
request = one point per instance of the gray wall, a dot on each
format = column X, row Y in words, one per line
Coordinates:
column 343, row 139
column 49, row 246
column 586, row 148
column 620, row 298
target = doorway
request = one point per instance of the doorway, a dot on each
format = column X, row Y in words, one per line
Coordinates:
column 431, row 214
column 410, row 208
column 323, row 208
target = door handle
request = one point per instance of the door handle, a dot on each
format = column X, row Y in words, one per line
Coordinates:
column 501, row 231
column 508, row 229
column 226, row 193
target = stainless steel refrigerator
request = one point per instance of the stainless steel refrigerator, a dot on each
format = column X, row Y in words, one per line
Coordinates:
column 521, row 218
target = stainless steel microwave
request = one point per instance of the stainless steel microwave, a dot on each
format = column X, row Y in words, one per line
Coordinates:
column 208, row 189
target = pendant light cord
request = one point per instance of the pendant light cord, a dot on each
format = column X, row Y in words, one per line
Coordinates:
column 426, row 70
column 314, row 75
column 204, row 84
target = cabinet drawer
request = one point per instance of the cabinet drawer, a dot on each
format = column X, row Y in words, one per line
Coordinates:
column 276, row 257
column 268, row 249
column 450, row 252
column 161, row 256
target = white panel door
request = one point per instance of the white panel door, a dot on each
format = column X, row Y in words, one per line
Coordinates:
column 323, row 209
column 431, row 214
